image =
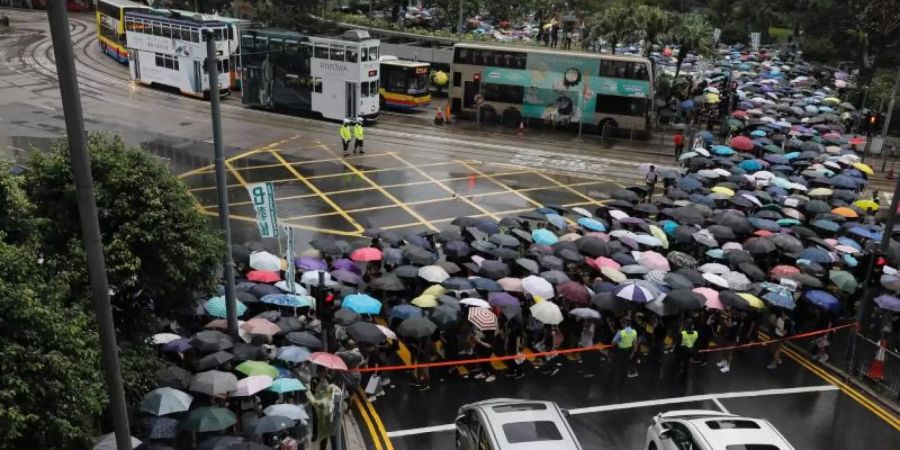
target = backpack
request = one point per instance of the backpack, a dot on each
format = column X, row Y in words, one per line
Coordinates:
column 650, row 178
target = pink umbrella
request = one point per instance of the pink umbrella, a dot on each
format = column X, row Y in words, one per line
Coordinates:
column 366, row 254
column 327, row 360
column 711, row 296
column 263, row 276
column 261, row 326
column 742, row 143
column 603, row 261
column 510, row 284
column 251, row 385
column 654, row 261
column 784, row 271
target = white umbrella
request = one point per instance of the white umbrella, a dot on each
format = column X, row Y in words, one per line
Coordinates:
column 716, row 280
column 108, row 442
column 311, row 278
column 165, row 338
column 582, row 211
column 476, row 302
column 265, row 261
column 537, row 287
column 737, row 281
column 293, row 412
column 298, row 289
column 715, row 268
column 617, row 214
column 547, row 312
column 585, row 313
column 433, row 274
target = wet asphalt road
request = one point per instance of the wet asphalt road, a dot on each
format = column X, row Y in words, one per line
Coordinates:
column 414, row 177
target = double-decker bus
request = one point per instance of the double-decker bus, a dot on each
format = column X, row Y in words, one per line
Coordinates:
column 336, row 78
column 509, row 84
column 111, row 26
column 168, row 49
column 404, row 84
column 234, row 41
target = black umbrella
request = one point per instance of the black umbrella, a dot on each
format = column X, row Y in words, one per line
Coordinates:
column 445, row 316
column 522, row 235
column 684, row 299
column 735, row 257
column 416, row 327
column 759, row 246
column 366, row 332
column 592, row 246
column 510, row 222
column 721, row 232
column 687, row 215
column 504, row 240
column 457, row 249
column 448, row 266
column 289, row 323
column 787, row 243
column 463, row 221
column 529, row 265
column 330, row 246
column 245, row 296
column 406, row 271
column 160, row 427
column 476, row 234
column 451, row 233
column 457, row 284
column 304, row 339
column 173, row 377
column 625, row 194
column 483, row 246
column 817, row 206
column 646, row 208
column 752, row 271
column 551, row 262
column 486, row 284
column 693, row 275
column 494, row 270
column 555, row 276
column 504, row 253
column 607, row 301
column 347, row 277
column 213, row 360
column 807, row 281
column 247, row 352
column 624, row 259
column 678, row 281
column 270, row 424
column 418, row 255
column 344, row 316
column 211, row 341
column 679, row 259
column 262, row 290
column 388, row 282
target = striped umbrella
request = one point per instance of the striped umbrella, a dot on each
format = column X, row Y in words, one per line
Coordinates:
column 634, row 293
column 483, row 319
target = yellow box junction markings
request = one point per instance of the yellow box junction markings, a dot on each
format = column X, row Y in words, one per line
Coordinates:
column 208, row 167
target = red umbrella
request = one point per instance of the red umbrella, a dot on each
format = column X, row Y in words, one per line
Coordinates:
column 784, row 271
column 574, row 292
column 327, row 360
column 366, row 254
column 763, row 233
column 856, row 140
column 742, row 143
column 740, row 114
column 263, row 276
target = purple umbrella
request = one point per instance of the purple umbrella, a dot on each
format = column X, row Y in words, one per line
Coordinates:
column 306, row 263
column 346, row 264
column 178, row 345
column 888, row 302
column 502, row 299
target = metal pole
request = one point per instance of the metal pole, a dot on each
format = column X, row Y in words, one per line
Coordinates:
column 459, row 25
column 862, row 106
column 87, row 213
column 224, row 223
column 887, row 120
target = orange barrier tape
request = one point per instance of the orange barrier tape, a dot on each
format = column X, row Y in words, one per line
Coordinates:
column 463, row 362
column 784, row 339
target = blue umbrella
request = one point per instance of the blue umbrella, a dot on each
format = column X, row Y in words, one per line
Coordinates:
column 816, row 255
column 865, row 232
column 751, row 165
column 289, row 300
column 843, row 240
column 216, row 307
column 826, row 225
column 765, row 224
column 822, row 299
column 405, row 311
column 177, row 346
column 361, row 304
column 706, row 136
column 556, row 220
column 849, row 260
column 689, row 183
column 292, row 353
column 282, row 385
column 757, row 133
column 591, row 224
column 543, row 236
column 486, row 284
column 716, row 253
column 792, row 155
column 669, row 226
column 843, row 181
column 687, row 104
column 775, row 158
column 780, row 298
column 722, row 150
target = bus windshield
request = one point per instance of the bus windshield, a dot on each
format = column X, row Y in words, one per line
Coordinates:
column 418, row 80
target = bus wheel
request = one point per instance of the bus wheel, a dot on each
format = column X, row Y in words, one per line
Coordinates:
column 606, row 126
column 488, row 114
column 512, row 117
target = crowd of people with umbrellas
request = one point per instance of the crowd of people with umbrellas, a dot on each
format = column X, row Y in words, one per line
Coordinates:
column 765, row 230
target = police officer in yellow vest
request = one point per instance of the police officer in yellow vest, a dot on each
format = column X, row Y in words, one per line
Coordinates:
column 687, row 346
column 359, row 134
column 626, row 342
column 345, row 136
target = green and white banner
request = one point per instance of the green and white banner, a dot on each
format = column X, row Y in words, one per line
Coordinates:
column 262, row 195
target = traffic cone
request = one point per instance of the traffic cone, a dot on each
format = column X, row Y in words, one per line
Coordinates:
column 521, row 130
column 438, row 117
column 447, row 113
column 876, row 369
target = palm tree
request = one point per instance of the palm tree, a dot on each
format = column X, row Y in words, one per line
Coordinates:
column 654, row 23
column 693, row 34
column 614, row 24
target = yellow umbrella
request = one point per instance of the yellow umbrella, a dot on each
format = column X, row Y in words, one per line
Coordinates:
column 752, row 300
column 723, row 190
column 613, row 274
column 845, row 212
column 832, row 101
column 656, row 232
column 866, row 205
column 537, row 298
column 712, row 97
column 425, row 301
column 435, row 290
column 820, row 192
column 864, row 168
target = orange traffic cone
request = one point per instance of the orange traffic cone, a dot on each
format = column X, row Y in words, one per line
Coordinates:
column 521, row 130
column 876, row 370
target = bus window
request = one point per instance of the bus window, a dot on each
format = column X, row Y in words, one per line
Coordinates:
column 321, row 52
column 276, row 45
column 247, row 42
column 160, row 62
column 461, row 56
column 291, row 47
column 373, row 87
column 337, row 53
column 626, row 106
column 157, row 29
column 373, row 53
column 364, row 55
column 317, row 85
column 230, row 32
column 195, row 35
column 457, row 79
column 506, row 93
column 364, row 89
column 352, row 54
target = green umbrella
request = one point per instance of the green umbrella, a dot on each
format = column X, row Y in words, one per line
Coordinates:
column 166, row 400
column 772, row 148
column 251, row 368
column 843, row 280
column 209, row 418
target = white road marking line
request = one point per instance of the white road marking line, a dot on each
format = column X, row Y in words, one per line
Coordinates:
column 642, row 404
column 720, row 406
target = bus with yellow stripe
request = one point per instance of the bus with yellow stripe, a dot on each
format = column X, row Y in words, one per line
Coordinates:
column 404, row 84
column 111, row 26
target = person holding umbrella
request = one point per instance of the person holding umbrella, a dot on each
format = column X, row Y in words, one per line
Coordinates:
column 421, row 350
column 626, row 342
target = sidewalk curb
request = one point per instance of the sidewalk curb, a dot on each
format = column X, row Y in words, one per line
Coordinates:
column 353, row 438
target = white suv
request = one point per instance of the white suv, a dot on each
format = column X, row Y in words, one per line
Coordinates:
column 513, row 424
column 697, row 429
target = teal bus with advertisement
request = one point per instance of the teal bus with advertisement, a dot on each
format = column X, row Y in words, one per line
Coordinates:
column 509, row 84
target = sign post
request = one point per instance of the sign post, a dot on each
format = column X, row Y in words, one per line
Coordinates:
column 262, row 195
column 754, row 40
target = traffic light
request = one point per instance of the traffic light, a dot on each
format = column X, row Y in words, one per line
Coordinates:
column 873, row 123
column 476, row 76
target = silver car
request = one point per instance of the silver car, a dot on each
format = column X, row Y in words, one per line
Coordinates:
column 512, row 424
column 697, row 429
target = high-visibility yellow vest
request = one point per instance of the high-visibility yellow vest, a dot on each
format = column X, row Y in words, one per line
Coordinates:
column 688, row 338
column 345, row 132
column 358, row 132
column 627, row 338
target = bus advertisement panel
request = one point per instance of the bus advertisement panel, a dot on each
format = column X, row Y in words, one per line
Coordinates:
column 560, row 87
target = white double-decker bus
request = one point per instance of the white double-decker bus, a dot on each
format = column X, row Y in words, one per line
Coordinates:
column 336, row 78
column 166, row 48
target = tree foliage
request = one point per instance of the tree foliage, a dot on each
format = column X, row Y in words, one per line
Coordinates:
column 160, row 252
column 51, row 382
column 693, row 34
column 654, row 24
column 614, row 24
